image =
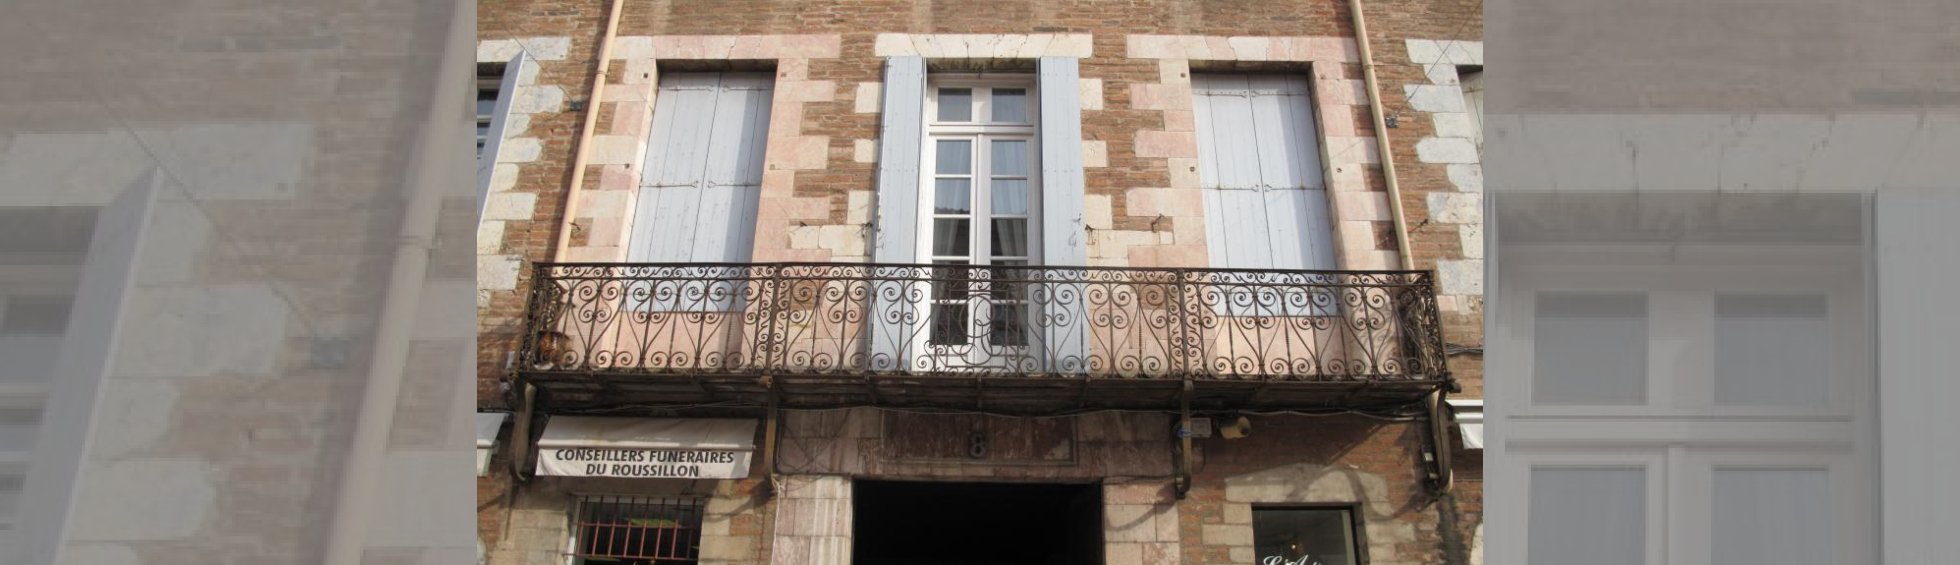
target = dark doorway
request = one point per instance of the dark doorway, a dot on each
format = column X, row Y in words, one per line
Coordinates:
column 920, row 523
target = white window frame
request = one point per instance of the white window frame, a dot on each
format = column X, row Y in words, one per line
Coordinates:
column 1681, row 316
column 977, row 352
column 486, row 123
column 1680, row 434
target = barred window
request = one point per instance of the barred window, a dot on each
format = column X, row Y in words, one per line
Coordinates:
column 631, row 530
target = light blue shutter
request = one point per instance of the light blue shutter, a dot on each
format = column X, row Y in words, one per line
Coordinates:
column 82, row 370
column 494, row 139
column 1265, row 202
column 1915, row 263
column 894, row 313
column 1062, row 317
column 701, row 182
column 703, row 170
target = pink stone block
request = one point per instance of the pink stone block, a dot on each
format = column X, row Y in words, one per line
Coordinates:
column 639, row 71
column 1194, row 47
column 824, row 46
column 1219, row 48
column 1180, row 120
column 1150, row 46
column 1336, row 120
column 778, row 184
column 607, row 254
column 1290, row 49
column 785, row 120
column 607, row 232
column 1161, row 144
column 807, row 90
column 808, row 153
column 1176, row 203
column 1362, row 206
column 792, row 69
column 813, row 208
column 1342, row 49
column 618, row 177
column 750, row 47
column 630, row 118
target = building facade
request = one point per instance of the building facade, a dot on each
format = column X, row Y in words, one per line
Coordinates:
column 858, row 282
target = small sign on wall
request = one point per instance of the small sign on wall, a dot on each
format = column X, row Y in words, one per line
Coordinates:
column 643, row 463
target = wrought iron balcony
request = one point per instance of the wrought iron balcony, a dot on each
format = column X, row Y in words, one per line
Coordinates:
column 1008, row 337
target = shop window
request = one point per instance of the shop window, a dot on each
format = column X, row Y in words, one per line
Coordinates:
column 628, row 530
column 1304, row 536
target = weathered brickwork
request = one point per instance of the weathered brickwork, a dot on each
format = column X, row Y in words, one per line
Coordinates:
column 1143, row 207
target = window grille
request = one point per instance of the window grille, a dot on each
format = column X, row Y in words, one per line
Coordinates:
column 637, row 530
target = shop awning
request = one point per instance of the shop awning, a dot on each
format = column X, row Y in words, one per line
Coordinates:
column 487, row 424
column 1470, row 421
column 686, row 448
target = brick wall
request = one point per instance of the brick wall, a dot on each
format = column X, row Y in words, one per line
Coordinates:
column 1136, row 58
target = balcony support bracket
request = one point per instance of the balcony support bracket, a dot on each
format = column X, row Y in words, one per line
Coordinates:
column 1182, row 483
column 773, row 421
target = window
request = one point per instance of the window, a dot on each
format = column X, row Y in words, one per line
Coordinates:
column 1590, row 348
column 627, row 530
column 1595, row 515
column 1264, row 196
column 701, row 185
column 1304, row 536
column 489, row 87
column 1472, row 81
column 982, row 211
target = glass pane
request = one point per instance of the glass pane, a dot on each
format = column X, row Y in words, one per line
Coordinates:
column 1592, row 516
column 1772, row 517
column 1010, row 238
column 1010, row 157
column 955, row 104
column 1002, row 280
column 1009, row 325
column 1010, row 197
column 952, row 196
column 954, row 157
column 486, row 107
column 949, row 324
column 1302, row 535
column 949, row 236
column 1011, row 105
column 18, row 426
column 1590, row 348
column 1771, row 350
column 952, row 281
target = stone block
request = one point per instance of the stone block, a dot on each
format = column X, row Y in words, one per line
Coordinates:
column 538, row 99
column 614, row 150
column 1467, row 177
column 519, row 150
column 1446, row 150
column 604, row 203
column 1434, row 98
column 1095, row 153
column 1166, row 144
column 510, row 206
column 869, row 98
column 1091, row 93
column 1460, row 277
column 865, row 150
column 1227, row 534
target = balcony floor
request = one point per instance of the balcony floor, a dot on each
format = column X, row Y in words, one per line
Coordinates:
column 1002, row 394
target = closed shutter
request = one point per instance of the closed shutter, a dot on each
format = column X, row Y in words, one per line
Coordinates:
column 1259, row 168
column 1061, row 308
column 493, row 140
column 1915, row 263
column 703, row 172
column 1473, row 100
column 894, row 315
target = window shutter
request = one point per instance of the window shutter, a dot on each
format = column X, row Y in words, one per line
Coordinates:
column 506, row 92
column 703, row 171
column 1062, row 317
column 895, row 315
column 1915, row 261
column 82, row 367
column 1265, row 201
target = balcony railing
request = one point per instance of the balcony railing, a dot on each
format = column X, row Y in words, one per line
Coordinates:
column 921, row 321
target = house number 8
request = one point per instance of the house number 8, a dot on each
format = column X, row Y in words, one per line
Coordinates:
column 976, row 445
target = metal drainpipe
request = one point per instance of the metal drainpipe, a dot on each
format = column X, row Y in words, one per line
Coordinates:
column 433, row 172
column 585, row 132
column 1381, row 136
